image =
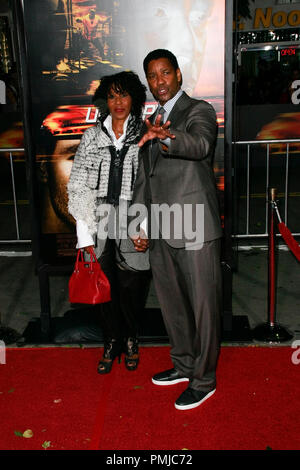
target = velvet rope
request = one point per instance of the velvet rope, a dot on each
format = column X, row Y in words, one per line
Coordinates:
column 286, row 234
column 289, row 240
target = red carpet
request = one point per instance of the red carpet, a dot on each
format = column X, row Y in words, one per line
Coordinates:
column 58, row 395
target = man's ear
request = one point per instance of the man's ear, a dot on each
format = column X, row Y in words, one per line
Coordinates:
column 179, row 76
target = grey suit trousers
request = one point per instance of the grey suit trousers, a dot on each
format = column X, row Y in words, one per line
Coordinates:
column 188, row 286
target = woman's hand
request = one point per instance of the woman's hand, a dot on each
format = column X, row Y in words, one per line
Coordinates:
column 141, row 242
column 156, row 131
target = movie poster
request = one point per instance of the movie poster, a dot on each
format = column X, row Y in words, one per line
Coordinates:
column 73, row 43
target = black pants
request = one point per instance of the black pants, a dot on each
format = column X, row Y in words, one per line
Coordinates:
column 129, row 290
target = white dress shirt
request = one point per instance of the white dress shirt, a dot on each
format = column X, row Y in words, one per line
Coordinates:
column 168, row 106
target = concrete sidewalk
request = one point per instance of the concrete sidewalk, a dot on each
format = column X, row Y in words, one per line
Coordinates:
column 20, row 297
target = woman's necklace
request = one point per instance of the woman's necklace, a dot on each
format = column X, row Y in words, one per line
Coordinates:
column 118, row 134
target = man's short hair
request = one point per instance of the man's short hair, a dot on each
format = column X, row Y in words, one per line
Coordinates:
column 160, row 54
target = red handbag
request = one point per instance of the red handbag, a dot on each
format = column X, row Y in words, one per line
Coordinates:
column 88, row 284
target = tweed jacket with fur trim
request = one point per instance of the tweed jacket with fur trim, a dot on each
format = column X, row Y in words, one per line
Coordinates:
column 90, row 174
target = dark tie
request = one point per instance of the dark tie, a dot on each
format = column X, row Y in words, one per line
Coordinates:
column 161, row 111
column 154, row 146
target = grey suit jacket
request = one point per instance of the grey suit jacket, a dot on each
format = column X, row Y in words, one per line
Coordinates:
column 183, row 174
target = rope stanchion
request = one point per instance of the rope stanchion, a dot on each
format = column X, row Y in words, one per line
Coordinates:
column 271, row 332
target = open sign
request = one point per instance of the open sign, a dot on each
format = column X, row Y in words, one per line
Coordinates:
column 288, row 51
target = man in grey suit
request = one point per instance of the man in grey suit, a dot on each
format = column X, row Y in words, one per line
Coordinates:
column 176, row 155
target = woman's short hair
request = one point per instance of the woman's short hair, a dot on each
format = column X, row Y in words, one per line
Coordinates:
column 121, row 82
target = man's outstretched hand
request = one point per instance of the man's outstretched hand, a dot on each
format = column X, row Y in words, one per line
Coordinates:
column 156, row 131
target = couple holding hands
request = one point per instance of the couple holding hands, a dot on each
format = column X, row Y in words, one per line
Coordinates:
column 168, row 159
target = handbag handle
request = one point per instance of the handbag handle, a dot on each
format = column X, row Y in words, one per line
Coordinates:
column 80, row 258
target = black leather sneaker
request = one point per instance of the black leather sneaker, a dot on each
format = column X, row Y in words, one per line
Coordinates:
column 168, row 377
column 191, row 398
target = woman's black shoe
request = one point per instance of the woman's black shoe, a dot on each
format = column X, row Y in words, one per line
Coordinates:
column 131, row 353
column 112, row 349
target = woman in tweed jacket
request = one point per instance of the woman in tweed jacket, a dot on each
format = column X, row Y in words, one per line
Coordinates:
column 100, row 187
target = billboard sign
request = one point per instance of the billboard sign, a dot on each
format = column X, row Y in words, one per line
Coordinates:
column 71, row 44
